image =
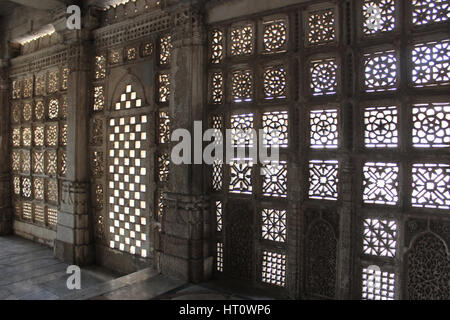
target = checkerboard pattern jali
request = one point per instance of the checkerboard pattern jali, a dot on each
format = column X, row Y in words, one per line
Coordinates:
column 127, row 184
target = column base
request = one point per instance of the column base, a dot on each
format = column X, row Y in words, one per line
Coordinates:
column 80, row 255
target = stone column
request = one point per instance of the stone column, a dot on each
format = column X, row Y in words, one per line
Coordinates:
column 5, row 156
column 185, row 251
column 74, row 234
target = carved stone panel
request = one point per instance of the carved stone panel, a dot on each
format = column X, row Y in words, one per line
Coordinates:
column 239, row 233
column 321, row 260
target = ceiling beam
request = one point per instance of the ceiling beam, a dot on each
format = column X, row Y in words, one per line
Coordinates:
column 42, row 4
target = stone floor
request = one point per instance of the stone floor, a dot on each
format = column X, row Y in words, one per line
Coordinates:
column 28, row 271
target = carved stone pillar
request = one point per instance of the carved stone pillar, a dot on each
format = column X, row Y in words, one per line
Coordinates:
column 5, row 185
column 185, row 251
column 74, row 236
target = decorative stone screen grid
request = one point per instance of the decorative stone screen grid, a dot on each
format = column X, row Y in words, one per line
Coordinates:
column 358, row 146
column 128, row 208
column 39, row 140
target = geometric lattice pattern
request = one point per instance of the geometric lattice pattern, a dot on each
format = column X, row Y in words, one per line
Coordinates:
column 275, row 82
column 241, row 176
column 379, row 16
column 242, row 40
column 242, row 86
column 381, row 127
column 380, row 183
column 164, row 87
column 431, row 64
column 217, row 88
column 431, row 186
column 99, row 98
column 275, row 179
column 321, row 27
column 165, row 49
column 128, row 100
column 324, row 77
column 127, row 187
column 241, row 130
column 274, row 268
column 100, row 67
column 217, row 175
column 275, row 128
column 275, row 36
column 380, row 237
column 219, row 216
column 274, row 225
column 430, row 11
column 217, row 46
column 219, row 257
column 323, row 179
column 324, row 129
column 380, row 71
column 377, row 284
column 431, row 125
column 164, row 127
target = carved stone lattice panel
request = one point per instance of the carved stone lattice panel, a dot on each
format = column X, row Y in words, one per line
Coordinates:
column 27, row 111
column 217, row 175
column 17, row 188
column 431, row 186
column 28, row 87
column 99, row 98
column 241, row 125
column 219, row 216
column 430, row 11
column 324, row 129
column 275, row 36
column 321, row 28
column 38, row 162
column 165, row 49
column 324, row 77
column 217, row 88
column 128, row 100
column 428, row 276
column 242, row 40
column 275, row 179
column 100, row 67
column 241, row 176
column 323, row 179
column 275, row 82
column 274, row 225
column 217, row 46
column 219, row 257
column 163, row 87
column 379, row 16
column 53, row 81
column 16, row 113
column 380, row 183
column 39, row 136
column 164, row 127
column 377, row 284
column 163, row 167
column 381, row 127
column 242, row 86
column 321, row 261
column 128, row 211
column 274, row 268
column 380, row 237
column 39, row 110
column 431, row 125
column 431, row 64
column 275, row 128
column 380, row 71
